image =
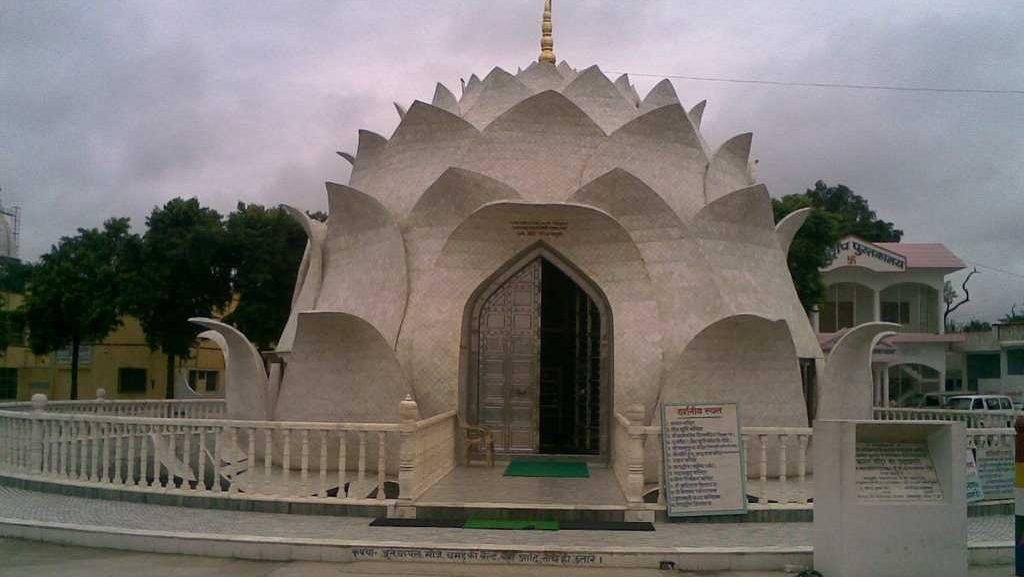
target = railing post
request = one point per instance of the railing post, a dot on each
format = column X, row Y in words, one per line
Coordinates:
column 635, row 454
column 408, row 413
column 35, row 461
column 102, row 401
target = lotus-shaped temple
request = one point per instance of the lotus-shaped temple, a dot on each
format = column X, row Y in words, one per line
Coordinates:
column 548, row 255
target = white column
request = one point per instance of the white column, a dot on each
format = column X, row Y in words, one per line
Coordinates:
column 877, row 308
column 939, row 308
column 876, row 389
column 885, row 385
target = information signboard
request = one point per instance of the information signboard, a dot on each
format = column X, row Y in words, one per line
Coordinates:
column 896, row 472
column 996, row 470
column 704, row 467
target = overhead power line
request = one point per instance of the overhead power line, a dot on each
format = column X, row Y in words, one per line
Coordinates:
column 996, row 269
column 888, row 87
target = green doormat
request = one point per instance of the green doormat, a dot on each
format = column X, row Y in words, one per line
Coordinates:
column 512, row 525
column 523, row 468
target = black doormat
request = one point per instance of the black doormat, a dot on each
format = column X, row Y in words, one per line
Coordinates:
column 562, row 525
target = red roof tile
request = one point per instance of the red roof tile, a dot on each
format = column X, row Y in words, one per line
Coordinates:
column 924, row 255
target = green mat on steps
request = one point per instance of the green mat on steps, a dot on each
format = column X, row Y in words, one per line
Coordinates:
column 525, row 468
column 512, row 525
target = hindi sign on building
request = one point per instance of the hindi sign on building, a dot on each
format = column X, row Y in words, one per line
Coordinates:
column 704, row 468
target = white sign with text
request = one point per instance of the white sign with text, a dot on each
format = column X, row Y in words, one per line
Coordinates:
column 704, row 469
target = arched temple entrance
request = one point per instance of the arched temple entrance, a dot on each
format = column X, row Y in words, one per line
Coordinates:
column 539, row 369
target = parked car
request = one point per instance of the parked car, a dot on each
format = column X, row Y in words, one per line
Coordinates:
column 986, row 407
column 931, row 400
column 979, row 403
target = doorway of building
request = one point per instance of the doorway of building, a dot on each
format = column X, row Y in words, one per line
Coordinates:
column 539, row 366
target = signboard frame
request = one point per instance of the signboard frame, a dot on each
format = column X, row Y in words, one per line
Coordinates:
column 665, row 408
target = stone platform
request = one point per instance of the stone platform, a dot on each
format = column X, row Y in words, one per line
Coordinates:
column 281, row 537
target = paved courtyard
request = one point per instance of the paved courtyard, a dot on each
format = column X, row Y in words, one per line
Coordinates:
column 51, row 508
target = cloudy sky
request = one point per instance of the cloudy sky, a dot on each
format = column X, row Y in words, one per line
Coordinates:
column 112, row 108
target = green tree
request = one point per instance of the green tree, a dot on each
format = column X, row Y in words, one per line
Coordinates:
column 265, row 247
column 180, row 270
column 74, row 294
column 838, row 212
column 14, row 276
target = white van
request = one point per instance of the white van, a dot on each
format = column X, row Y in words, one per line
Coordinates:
column 979, row 403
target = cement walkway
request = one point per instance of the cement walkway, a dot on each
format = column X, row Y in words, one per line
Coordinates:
column 147, row 528
column 32, row 559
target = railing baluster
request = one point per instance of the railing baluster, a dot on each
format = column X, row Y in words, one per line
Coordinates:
column 801, row 470
column 250, row 458
column 233, row 439
column 201, row 464
column 783, row 439
column 342, row 464
column 130, row 438
column 763, row 464
column 381, row 464
column 118, row 431
column 286, row 460
column 105, row 455
column 362, row 458
column 75, row 452
column 268, row 456
column 322, row 489
column 144, row 456
column 218, row 447
column 304, row 463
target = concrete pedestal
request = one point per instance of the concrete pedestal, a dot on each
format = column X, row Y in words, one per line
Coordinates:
column 872, row 521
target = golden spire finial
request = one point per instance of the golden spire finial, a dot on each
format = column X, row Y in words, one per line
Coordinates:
column 547, row 42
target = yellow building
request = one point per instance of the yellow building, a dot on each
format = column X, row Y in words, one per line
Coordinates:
column 123, row 364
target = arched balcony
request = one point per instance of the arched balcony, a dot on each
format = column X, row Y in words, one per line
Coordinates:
column 846, row 305
column 914, row 306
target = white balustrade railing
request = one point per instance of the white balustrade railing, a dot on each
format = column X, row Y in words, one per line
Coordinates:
column 157, row 408
column 973, row 419
column 330, row 461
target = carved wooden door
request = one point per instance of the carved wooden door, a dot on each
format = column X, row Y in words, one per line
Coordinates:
column 509, row 373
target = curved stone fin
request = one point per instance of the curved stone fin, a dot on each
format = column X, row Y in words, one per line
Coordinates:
column 541, row 76
column 347, row 156
column 787, row 228
column 365, row 271
column 568, row 72
column 342, row 370
column 596, row 95
column 182, row 389
column 847, row 385
column 729, row 168
column 371, row 146
column 628, row 198
column 751, row 205
column 742, row 356
column 555, row 128
column 310, row 277
column 662, row 148
column 662, row 94
column 401, row 111
column 455, row 195
column 355, row 208
column 627, row 90
column 426, row 143
column 697, row 113
column 444, row 99
column 274, row 378
column 498, row 92
column 246, row 393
